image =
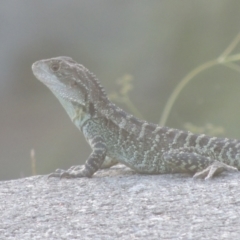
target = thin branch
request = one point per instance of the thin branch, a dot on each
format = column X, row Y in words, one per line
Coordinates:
column 223, row 59
column 230, row 48
column 233, row 66
column 180, row 86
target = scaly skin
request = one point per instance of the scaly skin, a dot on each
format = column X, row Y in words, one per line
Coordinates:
column 117, row 136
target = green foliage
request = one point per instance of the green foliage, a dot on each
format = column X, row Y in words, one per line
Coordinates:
column 225, row 59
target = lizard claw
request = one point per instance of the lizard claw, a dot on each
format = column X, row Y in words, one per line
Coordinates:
column 54, row 174
column 61, row 174
column 66, row 174
column 72, row 172
column 214, row 169
column 58, row 172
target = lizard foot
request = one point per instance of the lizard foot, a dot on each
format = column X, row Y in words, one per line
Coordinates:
column 214, row 169
column 72, row 172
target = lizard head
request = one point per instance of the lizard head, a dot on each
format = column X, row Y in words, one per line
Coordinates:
column 76, row 88
column 66, row 78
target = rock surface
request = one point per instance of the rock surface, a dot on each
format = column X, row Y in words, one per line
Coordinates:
column 117, row 203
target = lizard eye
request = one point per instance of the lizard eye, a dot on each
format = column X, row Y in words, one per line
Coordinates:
column 55, row 67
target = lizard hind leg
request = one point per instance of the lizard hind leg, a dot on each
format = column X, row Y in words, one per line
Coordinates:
column 214, row 169
column 188, row 161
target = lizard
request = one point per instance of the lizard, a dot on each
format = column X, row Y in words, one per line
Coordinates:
column 118, row 137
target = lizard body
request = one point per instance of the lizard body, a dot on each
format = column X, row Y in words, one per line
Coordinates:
column 116, row 136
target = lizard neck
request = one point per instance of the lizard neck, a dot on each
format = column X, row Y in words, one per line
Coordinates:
column 76, row 111
column 81, row 113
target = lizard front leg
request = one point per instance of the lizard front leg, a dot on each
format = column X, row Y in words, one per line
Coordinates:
column 92, row 164
column 190, row 161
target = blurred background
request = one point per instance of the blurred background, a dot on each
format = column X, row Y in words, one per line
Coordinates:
column 156, row 43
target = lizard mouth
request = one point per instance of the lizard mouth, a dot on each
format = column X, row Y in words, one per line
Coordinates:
column 42, row 74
